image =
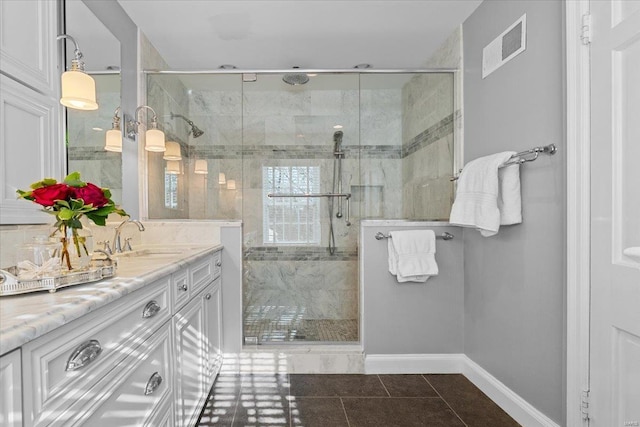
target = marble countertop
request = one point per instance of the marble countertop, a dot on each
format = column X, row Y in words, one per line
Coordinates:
column 26, row 317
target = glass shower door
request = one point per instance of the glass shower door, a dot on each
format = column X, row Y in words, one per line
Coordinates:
column 300, row 278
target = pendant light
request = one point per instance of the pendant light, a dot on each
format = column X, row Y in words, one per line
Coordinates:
column 172, row 151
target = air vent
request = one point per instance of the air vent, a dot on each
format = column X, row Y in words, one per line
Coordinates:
column 505, row 47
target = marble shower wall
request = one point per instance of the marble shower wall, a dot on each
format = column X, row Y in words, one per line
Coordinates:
column 286, row 126
column 86, row 137
column 427, row 147
column 166, row 94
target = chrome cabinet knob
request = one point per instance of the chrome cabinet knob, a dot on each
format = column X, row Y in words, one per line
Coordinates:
column 218, row 263
column 207, row 296
column 183, row 287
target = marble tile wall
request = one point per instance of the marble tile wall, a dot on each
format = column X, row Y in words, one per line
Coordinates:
column 427, row 132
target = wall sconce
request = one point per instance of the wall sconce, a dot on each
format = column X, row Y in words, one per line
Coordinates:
column 78, row 88
column 231, row 184
column 173, row 151
column 154, row 137
column 201, row 167
column 222, row 179
column 174, row 167
column 113, row 139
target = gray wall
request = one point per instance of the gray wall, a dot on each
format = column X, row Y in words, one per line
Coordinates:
column 411, row 318
column 514, row 282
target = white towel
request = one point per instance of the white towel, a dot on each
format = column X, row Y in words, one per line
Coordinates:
column 412, row 255
column 509, row 198
column 476, row 203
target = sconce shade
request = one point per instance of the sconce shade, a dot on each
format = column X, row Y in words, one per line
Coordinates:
column 173, row 167
column 172, row 151
column 154, row 140
column 113, row 141
column 231, row 184
column 222, row 179
column 78, row 91
column 201, row 167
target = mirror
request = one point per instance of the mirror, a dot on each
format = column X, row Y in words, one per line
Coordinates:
column 85, row 130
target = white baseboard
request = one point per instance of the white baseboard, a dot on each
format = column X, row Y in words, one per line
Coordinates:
column 514, row 405
column 413, row 363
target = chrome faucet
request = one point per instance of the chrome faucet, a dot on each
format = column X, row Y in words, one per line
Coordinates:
column 117, row 244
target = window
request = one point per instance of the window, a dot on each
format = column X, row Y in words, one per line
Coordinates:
column 291, row 220
column 170, row 190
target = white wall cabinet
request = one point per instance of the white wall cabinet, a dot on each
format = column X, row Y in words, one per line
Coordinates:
column 140, row 361
column 30, row 141
column 10, row 390
column 28, row 31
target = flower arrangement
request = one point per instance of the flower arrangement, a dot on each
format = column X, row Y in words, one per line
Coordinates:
column 69, row 201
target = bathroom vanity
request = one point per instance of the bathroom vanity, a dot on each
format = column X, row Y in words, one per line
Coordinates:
column 142, row 348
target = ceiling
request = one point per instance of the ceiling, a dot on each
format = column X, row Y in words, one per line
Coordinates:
column 312, row 34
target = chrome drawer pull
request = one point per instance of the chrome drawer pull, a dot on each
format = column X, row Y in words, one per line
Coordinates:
column 183, row 287
column 151, row 309
column 84, row 354
column 207, row 296
column 153, row 383
column 219, row 263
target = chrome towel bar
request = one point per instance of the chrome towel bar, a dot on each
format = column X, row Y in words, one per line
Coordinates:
column 444, row 236
column 524, row 156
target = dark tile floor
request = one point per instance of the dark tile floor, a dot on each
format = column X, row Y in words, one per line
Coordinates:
column 350, row 401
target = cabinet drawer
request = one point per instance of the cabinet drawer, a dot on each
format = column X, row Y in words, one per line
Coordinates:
column 201, row 273
column 142, row 391
column 99, row 341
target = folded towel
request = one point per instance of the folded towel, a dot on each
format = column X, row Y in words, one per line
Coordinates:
column 412, row 255
column 476, row 203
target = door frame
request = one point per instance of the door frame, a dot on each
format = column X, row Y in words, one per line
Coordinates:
column 578, row 221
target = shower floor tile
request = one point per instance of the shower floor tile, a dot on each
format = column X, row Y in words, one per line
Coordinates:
column 289, row 400
column 325, row 330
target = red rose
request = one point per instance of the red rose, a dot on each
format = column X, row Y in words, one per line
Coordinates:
column 46, row 196
column 91, row 195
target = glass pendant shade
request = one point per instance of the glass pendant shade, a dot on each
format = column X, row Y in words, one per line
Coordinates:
column 201, row 167
column 231, row 184
column 154, row 140
column 113, row 141
column 173, row 167
column 222, row 179
column 172, row 151
column 78, row 91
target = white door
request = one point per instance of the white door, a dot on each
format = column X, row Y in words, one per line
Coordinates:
column 615, row 214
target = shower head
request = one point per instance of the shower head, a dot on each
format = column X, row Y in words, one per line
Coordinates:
column 295, row 79
column 337, row 141
column 195, row 131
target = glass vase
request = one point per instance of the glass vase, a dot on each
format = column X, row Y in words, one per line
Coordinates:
column 77, row 247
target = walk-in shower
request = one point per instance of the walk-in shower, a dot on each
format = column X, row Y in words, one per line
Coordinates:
column 301, row 167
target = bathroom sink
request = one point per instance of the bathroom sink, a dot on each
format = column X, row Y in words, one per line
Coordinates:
column 148, row 253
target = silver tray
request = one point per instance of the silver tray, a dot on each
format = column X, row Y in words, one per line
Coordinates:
column 11, row 285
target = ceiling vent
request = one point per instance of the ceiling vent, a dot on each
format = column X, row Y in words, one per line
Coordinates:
column 505, row 47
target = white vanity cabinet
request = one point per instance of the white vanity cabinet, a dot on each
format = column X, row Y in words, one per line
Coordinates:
column 31, row 144
column 138, row 360
column 10, row 390
column 198, row 337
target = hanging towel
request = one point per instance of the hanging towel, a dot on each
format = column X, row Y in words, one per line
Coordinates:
column 509, row 199
column 412, row 255
column 476, row 203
